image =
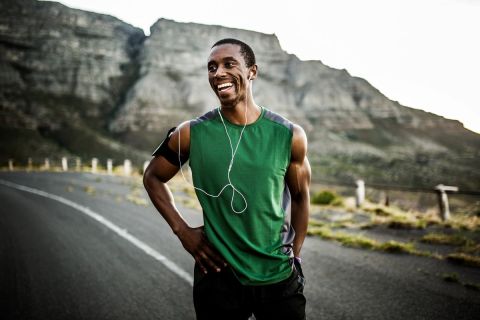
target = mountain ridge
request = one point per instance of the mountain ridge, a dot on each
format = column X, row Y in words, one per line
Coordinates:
column 73, row 80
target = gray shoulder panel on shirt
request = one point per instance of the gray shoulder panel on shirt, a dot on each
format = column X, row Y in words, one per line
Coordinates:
column 275, row 117
column 207, row 116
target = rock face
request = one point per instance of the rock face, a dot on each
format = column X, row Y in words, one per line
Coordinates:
column 62, row 70
column 172, row 84
column 69, row 75
column 172, row 87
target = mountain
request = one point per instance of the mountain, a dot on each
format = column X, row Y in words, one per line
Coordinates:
column 81, row 83
column 63, row 72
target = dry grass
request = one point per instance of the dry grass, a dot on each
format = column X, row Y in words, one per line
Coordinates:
column 398, row 247
column 473, row 248
column 464, row 259
column 454, row 278
column 451, row 277
column 90, row 190
column 360, row 241
column 472, row 286
column 463, row 222
column 395, row 218
column 137, row 200
column 136, row 197
column 447, row 239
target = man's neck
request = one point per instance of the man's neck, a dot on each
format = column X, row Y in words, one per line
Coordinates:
column 236, row 114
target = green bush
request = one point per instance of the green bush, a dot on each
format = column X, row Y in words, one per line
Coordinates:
column 326, row 197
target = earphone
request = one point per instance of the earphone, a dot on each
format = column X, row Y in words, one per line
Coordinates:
column 233, row 152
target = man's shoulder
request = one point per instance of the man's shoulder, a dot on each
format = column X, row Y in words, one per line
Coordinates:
column 210, row 115
column 278, row 119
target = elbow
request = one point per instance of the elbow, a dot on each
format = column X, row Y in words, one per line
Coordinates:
column 147, row 178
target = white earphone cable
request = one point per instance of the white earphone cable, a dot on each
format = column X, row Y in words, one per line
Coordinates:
column 233, row 153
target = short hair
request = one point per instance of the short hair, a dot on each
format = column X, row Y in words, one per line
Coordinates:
column 245, row 50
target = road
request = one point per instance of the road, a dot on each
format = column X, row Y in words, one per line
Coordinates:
column 59, row 262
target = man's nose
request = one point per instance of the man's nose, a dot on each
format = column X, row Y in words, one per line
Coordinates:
column 220, row 72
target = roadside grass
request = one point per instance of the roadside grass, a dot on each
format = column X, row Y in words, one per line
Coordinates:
column 467, row 250
column 190, row 203
column 184, row 192
column 361, row 241
column 454, row 278
column 463, row 222
column 327, row 197
column 472, row 286
column 395, row 218
column 135, row 196
column 189, row 190
column 464, row 259
column 450, row 277
column 447, row 239
column 90, row 190
column 473, row 249
column 137, row 200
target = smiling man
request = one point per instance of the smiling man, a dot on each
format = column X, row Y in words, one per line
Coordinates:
column 251, row 176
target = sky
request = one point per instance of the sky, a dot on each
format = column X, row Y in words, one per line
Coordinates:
column 425, row 54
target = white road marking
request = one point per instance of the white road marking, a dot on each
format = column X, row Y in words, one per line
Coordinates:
column 121, row 232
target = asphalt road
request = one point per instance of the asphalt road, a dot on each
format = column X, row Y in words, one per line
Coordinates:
column 58, row 262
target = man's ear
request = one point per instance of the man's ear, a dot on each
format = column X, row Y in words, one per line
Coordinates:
column 253, row 72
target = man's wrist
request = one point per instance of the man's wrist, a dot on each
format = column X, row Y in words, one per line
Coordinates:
column 179, row 229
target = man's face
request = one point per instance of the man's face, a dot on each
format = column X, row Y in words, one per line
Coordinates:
column 227, row 74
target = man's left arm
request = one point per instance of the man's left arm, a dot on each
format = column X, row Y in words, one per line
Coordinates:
column 298, row 181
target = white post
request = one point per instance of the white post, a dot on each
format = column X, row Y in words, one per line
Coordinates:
column 47, row 164
column 78, row 164
column 30, row 164
column 145, row 165
column 10, row 164
column 94, row 165
column 443, row 200
column 359, row 193
column 64, row 164
column 127, row 167
column 109, row 166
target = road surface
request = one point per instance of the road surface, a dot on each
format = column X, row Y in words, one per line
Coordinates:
column 73, row 247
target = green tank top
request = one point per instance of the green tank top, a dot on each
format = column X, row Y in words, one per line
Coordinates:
column 256, row 243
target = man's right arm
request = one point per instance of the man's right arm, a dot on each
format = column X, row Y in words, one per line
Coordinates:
column 155, row 179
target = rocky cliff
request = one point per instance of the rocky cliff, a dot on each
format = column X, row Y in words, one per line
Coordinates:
column 85, row 83
column 62, row 73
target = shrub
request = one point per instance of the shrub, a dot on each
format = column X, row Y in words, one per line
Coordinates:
column 326, row 197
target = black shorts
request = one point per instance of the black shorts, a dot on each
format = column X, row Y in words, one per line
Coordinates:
column 221, row 296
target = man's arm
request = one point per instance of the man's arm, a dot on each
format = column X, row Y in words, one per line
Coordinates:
column 155, row 179
column 298, row 181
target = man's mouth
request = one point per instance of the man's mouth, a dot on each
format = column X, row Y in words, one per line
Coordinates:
column 224, row 86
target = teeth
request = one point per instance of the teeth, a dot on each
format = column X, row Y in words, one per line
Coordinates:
column 224, row 85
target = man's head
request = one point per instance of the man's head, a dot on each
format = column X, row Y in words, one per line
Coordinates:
column 231, row 67
column 245, row 50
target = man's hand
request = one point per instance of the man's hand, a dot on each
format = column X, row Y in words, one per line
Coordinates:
column 196, row 243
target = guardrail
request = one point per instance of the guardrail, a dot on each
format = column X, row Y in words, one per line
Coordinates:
column 126, row 169
column 64, row 165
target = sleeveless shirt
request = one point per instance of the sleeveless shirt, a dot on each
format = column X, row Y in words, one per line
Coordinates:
column 257, row 243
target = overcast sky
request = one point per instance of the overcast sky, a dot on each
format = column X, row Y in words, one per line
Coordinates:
column 423, row 53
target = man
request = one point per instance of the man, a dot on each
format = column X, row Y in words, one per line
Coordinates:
column 251, row 176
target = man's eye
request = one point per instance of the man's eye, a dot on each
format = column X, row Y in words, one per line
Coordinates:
column 228, row 64
column 212, row 68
